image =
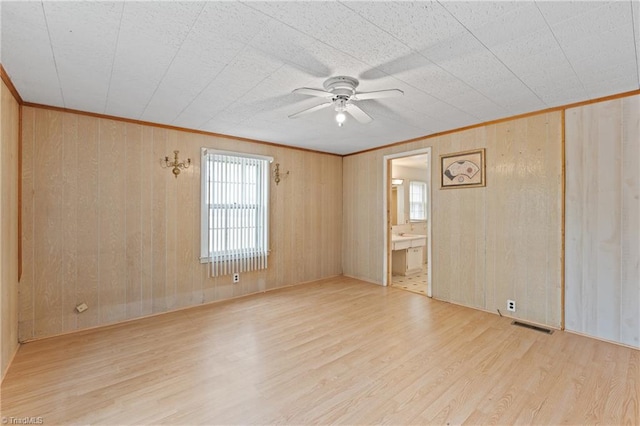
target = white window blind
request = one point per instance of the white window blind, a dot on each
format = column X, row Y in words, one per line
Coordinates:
column 417, row 201
column 235, row 211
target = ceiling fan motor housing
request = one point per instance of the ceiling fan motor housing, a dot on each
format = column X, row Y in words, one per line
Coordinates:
column 341, row 90
column 341, row 86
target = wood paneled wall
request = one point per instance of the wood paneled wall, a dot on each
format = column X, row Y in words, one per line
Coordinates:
column 9, row 133
column 104, row 224
column 503, row 241
column 603, row 220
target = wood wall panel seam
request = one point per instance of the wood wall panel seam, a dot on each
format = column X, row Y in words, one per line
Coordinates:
column 19, row 192
column 563, row 221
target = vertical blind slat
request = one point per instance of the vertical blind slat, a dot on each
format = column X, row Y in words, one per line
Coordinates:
column 238, row 213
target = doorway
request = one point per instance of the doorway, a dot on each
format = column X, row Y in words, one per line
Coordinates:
column 407, row 198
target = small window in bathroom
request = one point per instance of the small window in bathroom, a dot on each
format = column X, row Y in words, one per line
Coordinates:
column 417, row 201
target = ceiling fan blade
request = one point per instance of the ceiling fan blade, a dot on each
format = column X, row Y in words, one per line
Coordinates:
column 358, row 114
column 313, row 92
column 391, row 93
column 312, row 109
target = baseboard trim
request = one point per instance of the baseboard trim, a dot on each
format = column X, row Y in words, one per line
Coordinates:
column 172, row 311
column 366, row 280
column 6, row 370
column 624, row 345
column 502, row 314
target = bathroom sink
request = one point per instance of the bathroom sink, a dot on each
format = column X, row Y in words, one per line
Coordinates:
column 405, row 241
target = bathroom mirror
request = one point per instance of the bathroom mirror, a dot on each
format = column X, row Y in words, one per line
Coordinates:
column 397, row 205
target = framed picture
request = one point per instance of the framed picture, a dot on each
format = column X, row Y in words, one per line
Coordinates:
column 462, row 169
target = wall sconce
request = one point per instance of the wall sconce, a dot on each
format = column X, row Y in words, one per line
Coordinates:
column 175, row 164
column 277, row 175
column 397, row 181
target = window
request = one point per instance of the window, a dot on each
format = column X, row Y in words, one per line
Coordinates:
column 417, row 201
column 235, row 211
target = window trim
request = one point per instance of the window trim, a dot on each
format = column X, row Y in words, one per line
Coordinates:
column 204, row 210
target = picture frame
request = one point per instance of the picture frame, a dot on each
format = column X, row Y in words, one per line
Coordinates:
column 464, row 169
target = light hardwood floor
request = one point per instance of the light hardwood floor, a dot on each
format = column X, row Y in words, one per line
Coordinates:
column 334, row 351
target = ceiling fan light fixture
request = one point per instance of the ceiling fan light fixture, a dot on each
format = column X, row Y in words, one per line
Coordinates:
column 341, row 91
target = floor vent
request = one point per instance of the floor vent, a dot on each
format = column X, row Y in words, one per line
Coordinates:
column 532, row 327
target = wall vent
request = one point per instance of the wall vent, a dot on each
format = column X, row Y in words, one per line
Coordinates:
column 532, row 327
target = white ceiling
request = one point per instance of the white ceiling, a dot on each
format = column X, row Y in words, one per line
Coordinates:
column 230, row 67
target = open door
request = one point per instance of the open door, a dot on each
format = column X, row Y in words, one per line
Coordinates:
column 407, row 201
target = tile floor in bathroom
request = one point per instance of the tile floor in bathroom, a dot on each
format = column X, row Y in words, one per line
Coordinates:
column 416, row 283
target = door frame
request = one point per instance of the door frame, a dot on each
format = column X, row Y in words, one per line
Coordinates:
column 386, row 196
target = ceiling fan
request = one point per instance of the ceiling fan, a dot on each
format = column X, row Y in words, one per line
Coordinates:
column 341, row 94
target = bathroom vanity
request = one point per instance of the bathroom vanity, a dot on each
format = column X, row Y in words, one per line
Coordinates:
column 407, row 253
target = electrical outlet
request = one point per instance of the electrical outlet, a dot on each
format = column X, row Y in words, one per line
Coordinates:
column 81, row 308
column 236, row 278
column 511, row 305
